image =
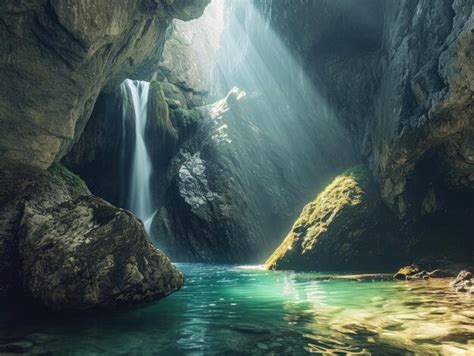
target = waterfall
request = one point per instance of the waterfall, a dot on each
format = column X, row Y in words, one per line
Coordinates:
column 138, row 199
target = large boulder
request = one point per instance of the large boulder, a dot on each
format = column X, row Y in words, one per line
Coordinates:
column 345, row 228
column 71, row 250
column 87, row 253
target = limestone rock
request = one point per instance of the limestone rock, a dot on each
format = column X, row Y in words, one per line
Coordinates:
column 86, row 253
column 345, row 228
column 399, row 75
column 186, row 64
column 185, row 9
column 57, row 56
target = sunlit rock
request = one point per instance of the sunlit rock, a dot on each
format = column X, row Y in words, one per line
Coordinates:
column 407, row 271
column 463, row 282
column 345, row 228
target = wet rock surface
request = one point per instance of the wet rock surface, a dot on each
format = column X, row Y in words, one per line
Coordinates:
column 414, row 272
column 86, row 253
column 463, row 282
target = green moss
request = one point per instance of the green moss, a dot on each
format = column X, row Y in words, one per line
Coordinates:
column 155, row 85
column 345, row 190
column 173, row 104
column 61, row 174
column 184, row 118
column 158, row 112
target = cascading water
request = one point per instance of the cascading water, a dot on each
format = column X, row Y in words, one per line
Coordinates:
column 139, row 194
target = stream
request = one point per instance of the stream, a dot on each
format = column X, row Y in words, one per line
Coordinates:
column 236, row 310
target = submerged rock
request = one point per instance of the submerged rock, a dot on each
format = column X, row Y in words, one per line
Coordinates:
column 407, row 271
column 463, row 282
column 345, row 228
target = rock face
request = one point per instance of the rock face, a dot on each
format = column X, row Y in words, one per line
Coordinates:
column 345, row 228
column 231, row 188
column 58, row 243
column 399, row 75
column 186, row 64
column 72, row 250
column 58, row 55
column 395, row 76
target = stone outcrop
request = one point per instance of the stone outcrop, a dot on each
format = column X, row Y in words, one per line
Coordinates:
column 463, row 282
column 58, row 55
column 72, row 250
column 186, row 64
column 414, row 272
column 232, row 188
column 346, row 227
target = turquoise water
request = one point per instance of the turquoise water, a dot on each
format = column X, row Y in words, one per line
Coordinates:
column 237, row 311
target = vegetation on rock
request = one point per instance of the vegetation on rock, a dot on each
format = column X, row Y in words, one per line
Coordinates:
column 345, row 227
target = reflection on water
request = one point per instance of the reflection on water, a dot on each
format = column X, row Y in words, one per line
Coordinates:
column 231, row 310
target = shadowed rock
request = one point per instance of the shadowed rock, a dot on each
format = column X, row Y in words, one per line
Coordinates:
column 72, row 250
column 87, row 253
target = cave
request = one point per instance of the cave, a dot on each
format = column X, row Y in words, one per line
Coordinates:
column 261, row 177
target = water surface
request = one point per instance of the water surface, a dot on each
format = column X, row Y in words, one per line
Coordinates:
column 236, row 311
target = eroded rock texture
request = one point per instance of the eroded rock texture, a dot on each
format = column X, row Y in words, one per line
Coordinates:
column 86, row 253
column 232, row 187
column 56, row 56
column 72, row 250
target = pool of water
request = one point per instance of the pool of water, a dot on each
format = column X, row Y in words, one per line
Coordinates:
column 236, row 311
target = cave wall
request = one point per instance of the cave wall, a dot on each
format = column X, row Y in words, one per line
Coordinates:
column 58, row 55
column 399, row 74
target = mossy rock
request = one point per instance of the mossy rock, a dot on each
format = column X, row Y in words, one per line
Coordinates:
column 185, row 121
column 61, row 174
column 346, row 227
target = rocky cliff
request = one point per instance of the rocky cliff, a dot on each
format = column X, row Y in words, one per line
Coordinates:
column 58, row 243
column 399, row 75
column 57, row 56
